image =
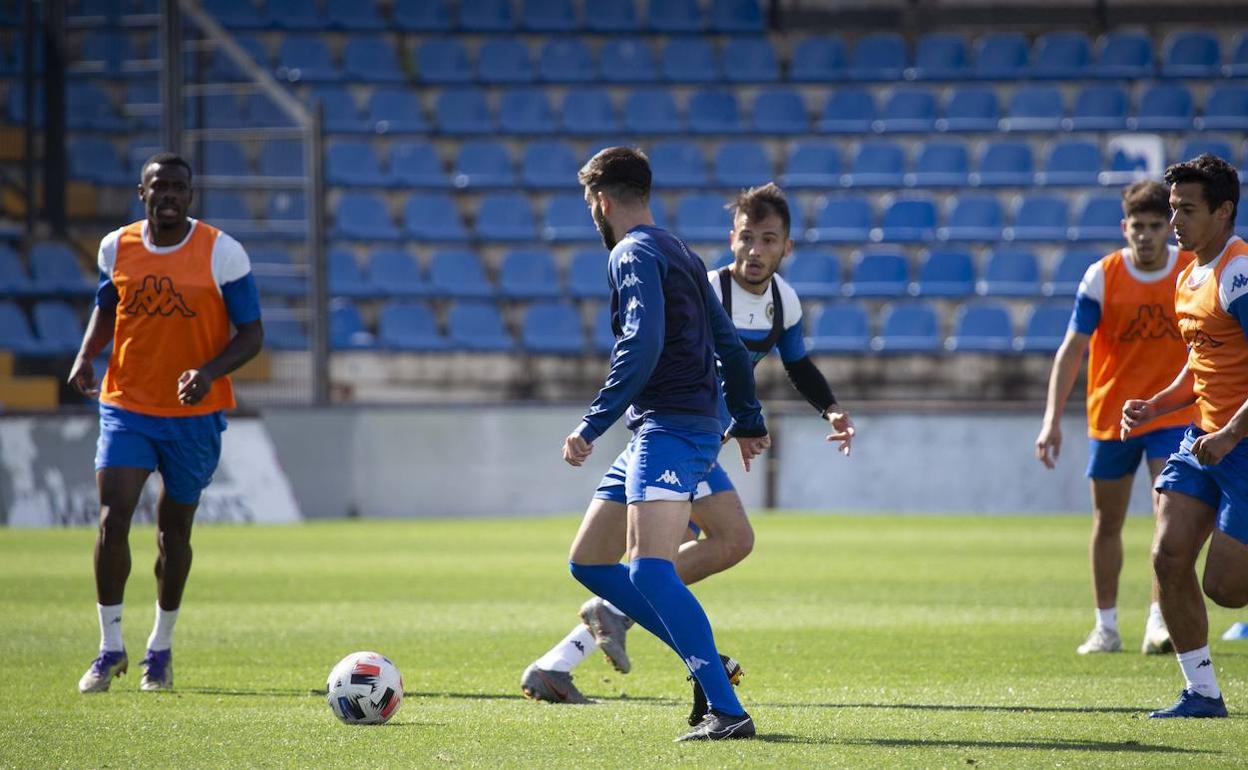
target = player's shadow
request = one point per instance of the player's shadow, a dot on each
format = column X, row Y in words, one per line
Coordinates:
column 1056, row 744
column 969, row 707
column 517, row 696
column 251, row 693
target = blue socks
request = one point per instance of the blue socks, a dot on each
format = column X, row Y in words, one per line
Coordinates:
column 611, row 582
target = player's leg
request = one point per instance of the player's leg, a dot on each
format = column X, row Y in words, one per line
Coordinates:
column 1226, row 565
column 729, row 538
column 1156, row 635
column 1110, row 498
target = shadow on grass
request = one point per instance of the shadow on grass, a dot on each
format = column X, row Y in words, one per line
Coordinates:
column 1041, row 745
column 969, row 707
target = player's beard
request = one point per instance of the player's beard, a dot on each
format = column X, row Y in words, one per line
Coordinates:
column 604, row 228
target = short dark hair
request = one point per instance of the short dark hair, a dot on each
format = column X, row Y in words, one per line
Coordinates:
column 165, row 159
column 1146, row 197
column 621, row 172
column 1217, row 179
column 758, row 202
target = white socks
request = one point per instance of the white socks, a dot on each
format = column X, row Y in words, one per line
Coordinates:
column 568, row 654
column 1198, row 671
column 1155, row 620
column 1107, row 619
column 162, row 632
column 110, row 628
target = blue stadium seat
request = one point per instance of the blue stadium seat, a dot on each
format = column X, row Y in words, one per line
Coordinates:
column 423, row 15
column 505, row 61
column 354, row 15
column 548, row 16
column 416, row 164
column 613, row 16
column 940, row 56
column 566, row 60
column 222, row 68
column 814, row 274
column 392, row 272
column 549, row 164
column 940, row 164
column 627, row 60
column 283, row 330
column 1011, row 273
column 58, row 328
column 1226, row 108
column 909, row 328
column 529, row 274
column 485, row 16
column 742, row 164
column 306, row 59
column 1005, row 164
column 354, row 164
column 1062, row 56
column 365, row 217
column 55, row 270
column 372, row 59
column 346, row 278
column 1164, row 108
column 478, row 327
column 1241, row 222
column 409, row 326
column 526, row 111
column 1073, row 162
column 982, row 328
column 602, row 336
column 818, row 60
column 587, row 274
column 464, row 111
column 1099, row 220
column 841, row 220
column 1192, row 54
column 94, row 159
column 346, row 327
column 342, row 114
column 1237, row 67
column 676, row 16
column 1002, row 56
column 974, row 218
column 690, row 60
column 848, row 111
column 1035, row 108
column 14, row 281
column 883, row 274
column 1099, row 108
column 16, row 106
column 89, row 108
column 221, row 157
column 459, row 273
column 1069, row 272
column 433, row 217
column 702, row 217
column 880, row 56
column 652, row 111
column 15, row 331
column 235, row 14
column 749, row 60
column 724, row 259
column 276, row 274
column 678, row 164
column 285, row 217
column 99, row 55
column 1194, row 147
column 736, row 16
column 907, row 221
column 263, row 112
column 483, row 163
column 567, row 219
column 714, row 112
column 1124, row 55
column 552, row 328
column 295, row 14
column 840, row 327
column 971, row 109
column 1040, row 218
column 780, row 111
column 1045, row 329
column 908, row 111
column 588, row 110
column 812, row 164
column 946, row 274
column 877, row 164
column 441, row 60
column 223, row 206
column 142, row 104
column 396, row 111
column 505, row 216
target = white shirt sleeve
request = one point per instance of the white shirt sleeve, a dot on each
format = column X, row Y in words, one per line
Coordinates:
column 713, row 277
column 1234, row 282
column 792, row 304
column 1093, row 284
column 229, row 260
column 107, row 257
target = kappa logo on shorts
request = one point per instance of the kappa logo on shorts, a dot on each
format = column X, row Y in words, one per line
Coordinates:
column 694, row 663
column 669, row 477
column 157, row 296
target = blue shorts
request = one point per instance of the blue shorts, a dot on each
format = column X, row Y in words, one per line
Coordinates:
column 665, row 463
column 1115, row 459
column 184, row 449
column 1223, row 487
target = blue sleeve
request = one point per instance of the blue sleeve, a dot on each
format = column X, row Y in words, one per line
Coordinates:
column 242, row 300
column 639, row 285
column 1239, row 309
column 1086, row 316
column 792, row 345
column 737, row 369
column 106, row 296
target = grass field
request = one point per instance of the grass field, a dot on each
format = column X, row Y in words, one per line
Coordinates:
column 867, row 642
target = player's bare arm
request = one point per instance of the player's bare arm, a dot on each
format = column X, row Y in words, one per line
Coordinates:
column 195, row 384
column 1137, row 412
column 1061, row 382
column 99, row 333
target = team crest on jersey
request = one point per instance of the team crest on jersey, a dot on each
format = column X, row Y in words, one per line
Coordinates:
column 157, row 296
column 771, row 310
column 1151, row 323
column 1198, row 277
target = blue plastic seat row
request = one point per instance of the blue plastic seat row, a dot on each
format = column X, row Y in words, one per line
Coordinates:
column 56, row 329
column 914, row 327
column 54, row 270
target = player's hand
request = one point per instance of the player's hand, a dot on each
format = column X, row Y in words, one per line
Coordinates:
column 1049, row 444
column 1135, row 412
column 576, row 449
column 82, row 378
column 193, row 385
column 842, row 430
column 751, row 448
column 1210, row 448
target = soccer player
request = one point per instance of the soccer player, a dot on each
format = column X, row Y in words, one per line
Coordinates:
column 1124, row 313
column 767, row 315
column 669, row 330
column 170, row 289
column 1204, row 486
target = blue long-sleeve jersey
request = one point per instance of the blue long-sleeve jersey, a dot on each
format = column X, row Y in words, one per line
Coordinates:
column 669, row 328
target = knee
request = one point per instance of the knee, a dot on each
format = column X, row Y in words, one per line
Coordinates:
column 737, row 546
column 176, row 539
column 1224, row 592
column 650, row 575
column 114, row 522
column 1106, row 527
column 1170, row 562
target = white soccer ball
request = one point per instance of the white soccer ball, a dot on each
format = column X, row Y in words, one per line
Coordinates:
column 365, row 688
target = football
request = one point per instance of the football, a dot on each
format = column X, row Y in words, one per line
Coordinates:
column 365, row 688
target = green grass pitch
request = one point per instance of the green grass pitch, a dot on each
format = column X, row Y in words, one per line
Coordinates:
column 867, row 642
